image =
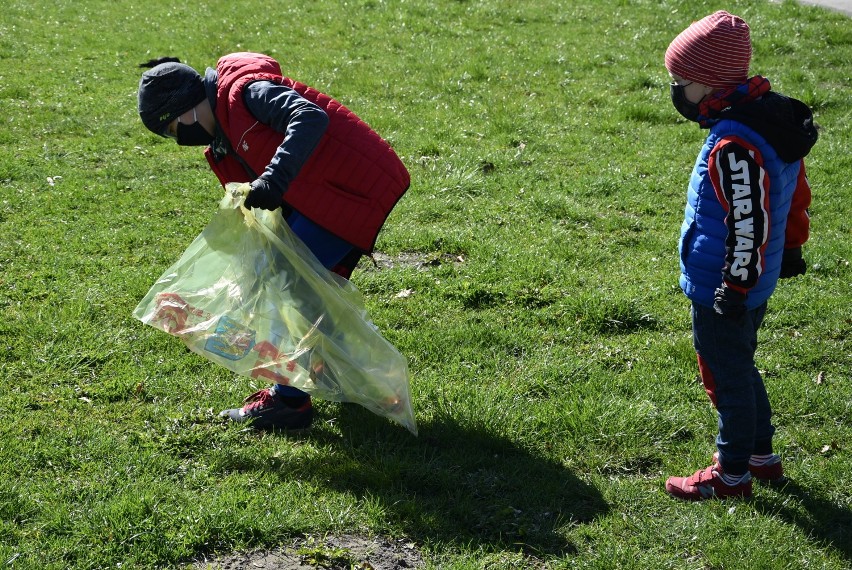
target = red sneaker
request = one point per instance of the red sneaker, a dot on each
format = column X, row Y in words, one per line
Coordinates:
column 706, row 484
column 770, row 473
column 266, row 410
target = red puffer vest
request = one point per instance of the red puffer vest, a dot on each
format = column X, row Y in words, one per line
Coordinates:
column 351, row 181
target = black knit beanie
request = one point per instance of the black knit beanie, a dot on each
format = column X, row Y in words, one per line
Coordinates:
column 168, row 91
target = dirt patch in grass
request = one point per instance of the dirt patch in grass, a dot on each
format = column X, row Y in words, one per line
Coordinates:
column 345, row 552
column 379, row 261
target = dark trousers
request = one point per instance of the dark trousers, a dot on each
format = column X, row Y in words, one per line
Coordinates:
column 327, row 247
column 725, row 349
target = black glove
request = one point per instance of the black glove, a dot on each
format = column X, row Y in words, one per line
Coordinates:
column 729, row 302
column 792, row 263
column 263, row 195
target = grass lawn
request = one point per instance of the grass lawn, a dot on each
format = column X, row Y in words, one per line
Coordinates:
column 552, row 369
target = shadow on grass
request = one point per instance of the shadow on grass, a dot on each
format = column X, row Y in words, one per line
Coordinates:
column 455, row 484
column 818, row 518
column 465, row 485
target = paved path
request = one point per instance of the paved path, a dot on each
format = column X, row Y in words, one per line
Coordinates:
column 844, row 6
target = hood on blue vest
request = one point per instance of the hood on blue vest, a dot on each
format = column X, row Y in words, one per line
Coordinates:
column 786, row 123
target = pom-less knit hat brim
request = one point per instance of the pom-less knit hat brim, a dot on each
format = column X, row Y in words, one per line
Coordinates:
column 167, row 91
column 714, row 51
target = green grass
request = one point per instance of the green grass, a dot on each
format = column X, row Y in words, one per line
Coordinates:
column 552, row 369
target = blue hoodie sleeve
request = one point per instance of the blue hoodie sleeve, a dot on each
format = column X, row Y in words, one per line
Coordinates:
column 302, row 122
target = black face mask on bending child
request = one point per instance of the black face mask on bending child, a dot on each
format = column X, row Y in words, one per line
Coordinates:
column 193, row 134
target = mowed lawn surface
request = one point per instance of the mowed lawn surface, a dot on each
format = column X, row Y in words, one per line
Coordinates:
column 529, row 276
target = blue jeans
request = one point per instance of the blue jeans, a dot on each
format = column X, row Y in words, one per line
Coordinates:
column 328, row 249
column 725, row 349
column 326, row 246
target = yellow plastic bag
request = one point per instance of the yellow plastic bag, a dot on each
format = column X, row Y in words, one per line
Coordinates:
column 249, row 295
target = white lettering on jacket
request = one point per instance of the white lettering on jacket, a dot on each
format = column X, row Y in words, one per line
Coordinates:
column 743, row 220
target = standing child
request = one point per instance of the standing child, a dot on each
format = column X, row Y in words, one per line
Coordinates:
column 746, row 220
column 333, row 178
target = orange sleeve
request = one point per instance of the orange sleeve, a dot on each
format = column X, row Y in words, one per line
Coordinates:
column 798, row 220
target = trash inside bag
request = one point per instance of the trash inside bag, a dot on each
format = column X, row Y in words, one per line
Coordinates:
column 249, row 295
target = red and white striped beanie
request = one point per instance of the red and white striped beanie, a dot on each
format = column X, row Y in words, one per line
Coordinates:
column 714, row 51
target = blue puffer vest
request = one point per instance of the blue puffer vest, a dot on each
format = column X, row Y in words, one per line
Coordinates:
column 703, row 233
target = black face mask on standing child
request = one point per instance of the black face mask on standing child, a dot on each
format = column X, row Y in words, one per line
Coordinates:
column 687, row 108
